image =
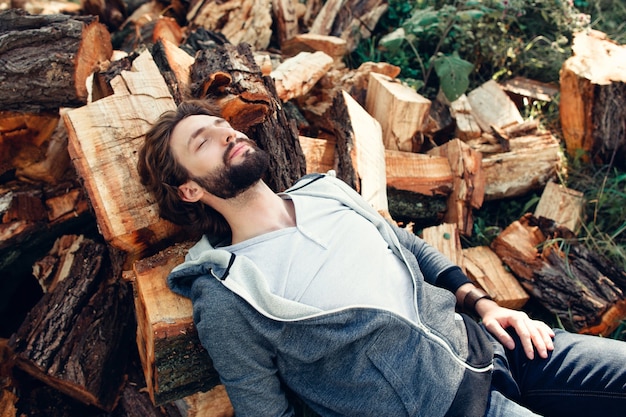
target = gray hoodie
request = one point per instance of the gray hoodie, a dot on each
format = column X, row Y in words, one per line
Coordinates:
column 352, row 361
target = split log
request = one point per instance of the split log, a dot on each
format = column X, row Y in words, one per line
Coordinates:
column 352, row 20
column 51, row 162
column 23, row 137
column 360, row 150
column 48, row 58
column 249, row 101
column 418, row 173
column 401, row 111
column 213, row 403
column 491, row 106
column 175, row 66
column 285, row 19
column 593, row 91
column 104, row 137
column 240, row 21
column 466, row 126
column 524, row 91
column 585, row 291
column 531, row 162
column 332, row 46
column 78, row 344
column 319, row 154
column 297, row 75
column 562, row 205
column 174, row 362
column 33, row 215
column 469, row 183
column 483, row 266
column 445, row 238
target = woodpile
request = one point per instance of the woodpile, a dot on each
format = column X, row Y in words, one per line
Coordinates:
column 80, row 87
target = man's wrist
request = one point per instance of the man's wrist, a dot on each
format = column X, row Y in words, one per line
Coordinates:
column 472, row 297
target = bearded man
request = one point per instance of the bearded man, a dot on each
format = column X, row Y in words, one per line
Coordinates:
column 311, row 291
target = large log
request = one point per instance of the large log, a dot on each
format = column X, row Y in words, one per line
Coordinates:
column 46, row 59
column 360, row 151
column 104, row 137
column 585, row 291
column 530, row 163
column 593, row 93
column 175, row 365
column 401, row 111
column 76, row 338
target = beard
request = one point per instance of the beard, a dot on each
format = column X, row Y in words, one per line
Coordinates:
column 232, row 180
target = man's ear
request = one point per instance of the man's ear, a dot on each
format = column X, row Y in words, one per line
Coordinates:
column 190, row 192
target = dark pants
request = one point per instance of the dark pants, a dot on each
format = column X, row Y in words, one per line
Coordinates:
column 583, row 376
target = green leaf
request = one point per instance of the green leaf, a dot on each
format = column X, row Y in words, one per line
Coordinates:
column 453, row 73
column 393, row 40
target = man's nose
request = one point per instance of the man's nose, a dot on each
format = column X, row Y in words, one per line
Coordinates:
column 230, row 135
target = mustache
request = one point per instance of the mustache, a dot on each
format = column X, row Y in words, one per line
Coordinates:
column 232, row 144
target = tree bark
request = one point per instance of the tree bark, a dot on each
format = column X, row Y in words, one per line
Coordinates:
column 593, row 91
column 46, row 59
column 76, row 338
column 585, row 291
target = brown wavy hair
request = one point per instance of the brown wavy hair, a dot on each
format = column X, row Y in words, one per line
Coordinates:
column 162, row 174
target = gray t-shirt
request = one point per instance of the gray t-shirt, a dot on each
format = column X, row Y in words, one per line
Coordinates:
column 332, row 259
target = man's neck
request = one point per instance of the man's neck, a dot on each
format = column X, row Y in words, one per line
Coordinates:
column 256, row 211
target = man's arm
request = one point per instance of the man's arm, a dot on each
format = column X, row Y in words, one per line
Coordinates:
column 534, row 334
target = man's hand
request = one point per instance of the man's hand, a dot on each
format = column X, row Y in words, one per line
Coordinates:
column 532, row 333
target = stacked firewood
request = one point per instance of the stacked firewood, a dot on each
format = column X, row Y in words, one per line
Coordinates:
column 81, row 85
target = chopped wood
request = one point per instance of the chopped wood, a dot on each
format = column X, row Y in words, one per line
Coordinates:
column 585, row 291
column 285, row 19
column 213, row 403
column 51, row 161
column 593, row 87
column 485, row 268
column 333, row 46
column 175, row 66
column 491, row 106
column 352, row 20
column 167, row 29
column 401, row 111
column 104, row 137
column 445, row 238
column 48, row 58
column 524, row 90
column 532, row 162
column 562, row 205
column 174, row 362
column 469, row 185
column 95, row 322
column 360, row 151
column 466, row 126
column 297, row 75
column 23, row 137
column 241, row 21
column 418, row 173
column 319, row 154
column 56, row 265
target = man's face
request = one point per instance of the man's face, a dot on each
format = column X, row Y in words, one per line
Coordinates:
column 219, row 158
